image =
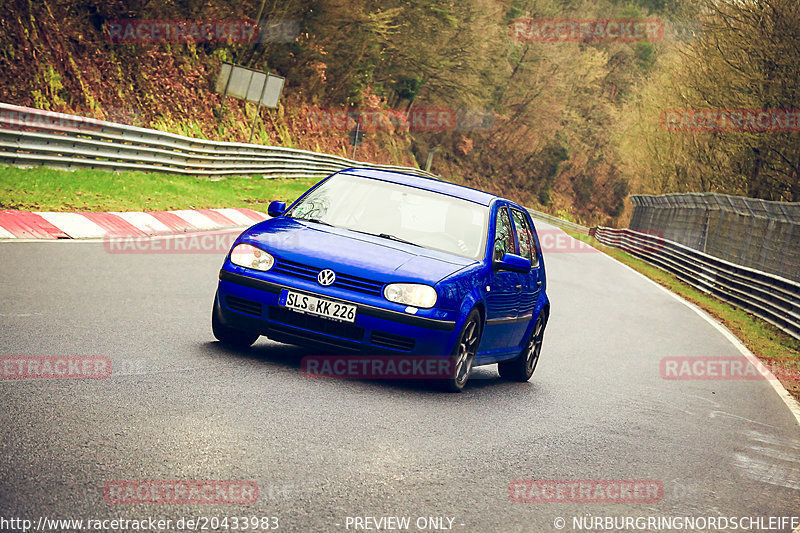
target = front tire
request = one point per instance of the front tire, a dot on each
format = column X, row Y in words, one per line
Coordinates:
column 521, row 367
column 233, row 338
column 463, row 356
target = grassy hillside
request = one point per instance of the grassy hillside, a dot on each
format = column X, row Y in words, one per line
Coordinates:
column 568, row 127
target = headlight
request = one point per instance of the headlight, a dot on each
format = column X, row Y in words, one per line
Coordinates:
column 248, row 256
column 413, row 294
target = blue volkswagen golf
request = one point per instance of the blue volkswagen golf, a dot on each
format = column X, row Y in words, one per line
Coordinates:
column 382, row 262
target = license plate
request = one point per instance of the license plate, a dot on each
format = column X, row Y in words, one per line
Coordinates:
column 312, row 305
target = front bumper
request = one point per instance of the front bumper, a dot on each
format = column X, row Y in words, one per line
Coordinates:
column 251, row 304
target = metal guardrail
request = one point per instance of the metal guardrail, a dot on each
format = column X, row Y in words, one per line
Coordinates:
column 550, row 219
column 767, row 296
column 31, row 136
column 36, row 137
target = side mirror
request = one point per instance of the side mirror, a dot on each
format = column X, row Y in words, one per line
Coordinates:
column 514, row 263
column 276, row 208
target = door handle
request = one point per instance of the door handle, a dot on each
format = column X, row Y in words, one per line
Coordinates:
column 519, row 287
column 539, row 283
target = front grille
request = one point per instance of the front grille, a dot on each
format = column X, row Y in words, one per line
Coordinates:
column 391, row 341
column 296, row 270
column 242, row 305
column 344, row 330
column 343, row 281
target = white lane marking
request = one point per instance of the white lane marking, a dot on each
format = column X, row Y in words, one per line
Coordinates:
column 198, row 220
column 75, row 225
column 144, row 221
column 791, row 403
column 237, row 216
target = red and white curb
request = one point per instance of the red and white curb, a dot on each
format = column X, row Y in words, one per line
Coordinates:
column 52, row 225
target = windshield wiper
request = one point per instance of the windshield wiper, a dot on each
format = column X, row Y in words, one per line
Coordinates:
column 316, row 221
column 389, row 237
column 395, row 238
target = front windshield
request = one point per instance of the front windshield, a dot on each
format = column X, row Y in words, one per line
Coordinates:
column 397, row 212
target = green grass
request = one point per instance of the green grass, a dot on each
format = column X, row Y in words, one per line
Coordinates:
column 766, row 341
column 47, row 189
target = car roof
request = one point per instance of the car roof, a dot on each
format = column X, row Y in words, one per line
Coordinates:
column 420, row 182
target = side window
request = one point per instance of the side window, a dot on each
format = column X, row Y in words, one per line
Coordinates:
column 503, row 235
column 527, row 244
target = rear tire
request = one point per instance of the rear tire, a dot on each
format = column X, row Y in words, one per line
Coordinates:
column 463, row 356
column 233, row 338
column 521, row 368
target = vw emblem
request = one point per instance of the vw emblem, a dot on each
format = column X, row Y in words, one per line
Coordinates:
column 326, row 277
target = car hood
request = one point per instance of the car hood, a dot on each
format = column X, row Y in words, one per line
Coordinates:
column 352, row 253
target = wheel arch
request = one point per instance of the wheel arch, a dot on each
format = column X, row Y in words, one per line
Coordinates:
column 481, row 307
column 473, row 300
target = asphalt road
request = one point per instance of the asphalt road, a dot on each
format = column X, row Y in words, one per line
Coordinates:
column 178, row 406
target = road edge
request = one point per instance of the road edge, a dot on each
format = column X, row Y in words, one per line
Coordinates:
column 788, row 399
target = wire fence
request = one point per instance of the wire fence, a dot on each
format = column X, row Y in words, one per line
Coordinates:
column 749, row 232
column 560, row 222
